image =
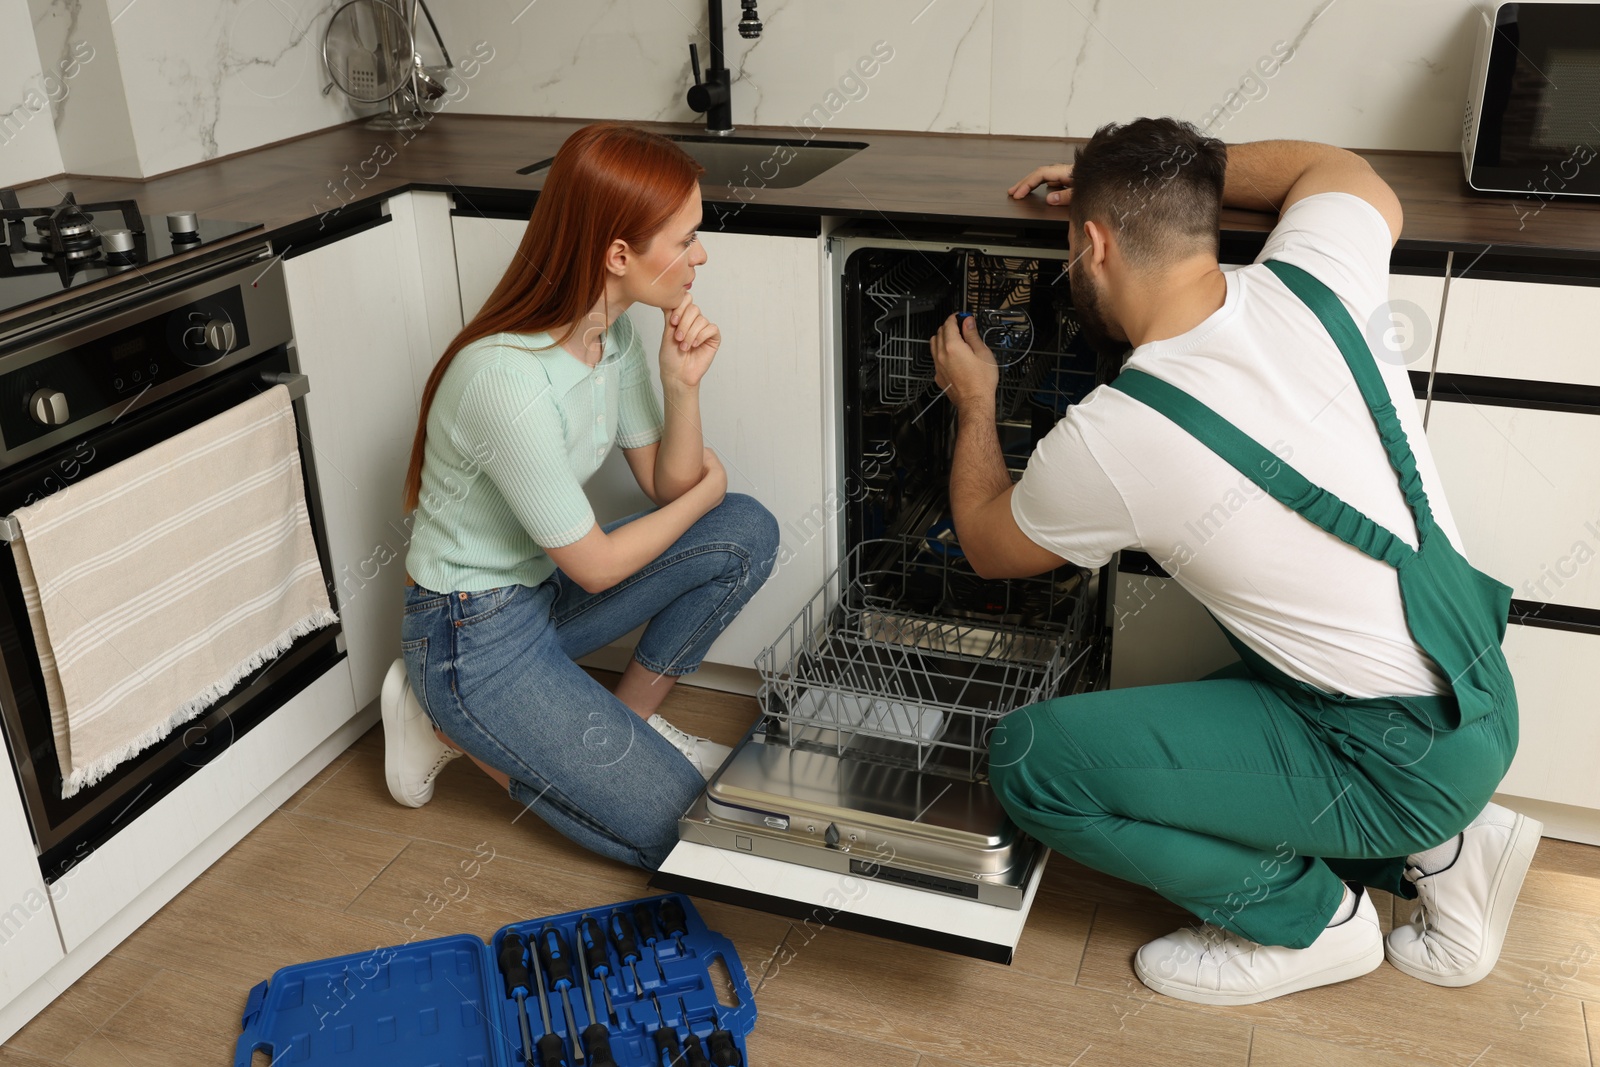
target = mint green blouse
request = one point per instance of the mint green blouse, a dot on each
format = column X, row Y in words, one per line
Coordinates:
column 515, row 430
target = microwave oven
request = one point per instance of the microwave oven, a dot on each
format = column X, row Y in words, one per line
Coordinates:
column 1532, row 123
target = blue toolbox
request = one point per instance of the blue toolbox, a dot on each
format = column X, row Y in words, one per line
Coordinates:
column 622, row 985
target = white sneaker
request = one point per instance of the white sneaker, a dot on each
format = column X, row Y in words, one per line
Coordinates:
column 706, row 756
column 413, row 755
column 1455, row 935
column 1209, row 965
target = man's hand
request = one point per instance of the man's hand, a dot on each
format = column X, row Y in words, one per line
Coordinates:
column 963, row 366
column 689, row 343
column 1055, row 176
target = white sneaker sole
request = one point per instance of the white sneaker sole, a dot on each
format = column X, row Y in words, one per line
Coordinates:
column 1366, row 963
column 391, row 702
column 1508, row 879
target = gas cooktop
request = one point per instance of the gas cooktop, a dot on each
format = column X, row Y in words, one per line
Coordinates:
column 45, row 251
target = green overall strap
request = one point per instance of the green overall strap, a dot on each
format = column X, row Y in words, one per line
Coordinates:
column 1279, row 480
column 1358, row 357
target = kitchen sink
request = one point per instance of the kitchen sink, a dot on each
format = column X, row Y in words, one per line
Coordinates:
column 755, row 162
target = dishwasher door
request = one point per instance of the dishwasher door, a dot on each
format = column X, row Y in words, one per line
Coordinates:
column 860, row 798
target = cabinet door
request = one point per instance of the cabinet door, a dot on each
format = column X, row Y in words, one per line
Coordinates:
column 29, row 944
column 1557, row 674
column 354, row 331
column 761, row 403
column 1528, row 330
column 1407, row 332
column 1160, row 634
column 1524, row 487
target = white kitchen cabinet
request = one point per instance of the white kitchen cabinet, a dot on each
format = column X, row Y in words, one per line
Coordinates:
column 1410, row 336
column 1557, row 674
column 363, row 344
column 1528, row 330
column 1160, row 634
column 1524, row 487
column 29, row 944
column 761, row 403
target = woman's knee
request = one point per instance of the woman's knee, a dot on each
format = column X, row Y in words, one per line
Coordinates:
column 750, row 525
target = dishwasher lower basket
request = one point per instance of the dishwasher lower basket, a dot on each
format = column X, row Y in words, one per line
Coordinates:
column 878, row 701
column 909, row 658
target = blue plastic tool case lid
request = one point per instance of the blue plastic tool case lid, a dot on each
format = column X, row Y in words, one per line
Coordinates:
column 443, row 1001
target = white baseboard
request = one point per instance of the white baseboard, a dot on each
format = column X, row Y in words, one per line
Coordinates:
column 719, row 676
column 1561, row 821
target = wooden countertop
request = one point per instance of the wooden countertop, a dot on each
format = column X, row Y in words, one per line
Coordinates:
column 901, row 177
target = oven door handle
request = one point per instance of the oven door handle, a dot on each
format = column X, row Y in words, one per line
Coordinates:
column 297, row 384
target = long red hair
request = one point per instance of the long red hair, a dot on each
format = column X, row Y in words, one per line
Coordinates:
column 608, row 182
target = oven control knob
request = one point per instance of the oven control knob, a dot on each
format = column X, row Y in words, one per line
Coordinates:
column 219, row 335
column 48, row 407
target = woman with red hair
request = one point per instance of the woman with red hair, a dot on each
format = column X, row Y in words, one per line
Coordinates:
column 510, row 578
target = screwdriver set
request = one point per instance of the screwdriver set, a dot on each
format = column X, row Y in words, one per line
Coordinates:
column 621, row 985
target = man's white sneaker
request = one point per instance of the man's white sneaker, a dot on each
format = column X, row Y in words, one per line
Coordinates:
column 706, row 755
column 1209, row 965
column 413, row 755
column 1456, row 932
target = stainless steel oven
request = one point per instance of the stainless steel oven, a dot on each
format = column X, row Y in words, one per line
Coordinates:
column 81, row 392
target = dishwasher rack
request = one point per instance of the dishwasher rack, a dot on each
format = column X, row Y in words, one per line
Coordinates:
column 906, row 657
column 1023, row 309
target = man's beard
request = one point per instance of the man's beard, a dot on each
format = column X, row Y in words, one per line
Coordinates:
column 1088, row 301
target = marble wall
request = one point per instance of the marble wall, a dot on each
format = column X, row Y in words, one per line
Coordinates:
column 177, row 82
column 171, row 83
column 28, row 146
column 1361, row 73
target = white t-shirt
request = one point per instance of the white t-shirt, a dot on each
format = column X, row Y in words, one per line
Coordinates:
column 1114, row 473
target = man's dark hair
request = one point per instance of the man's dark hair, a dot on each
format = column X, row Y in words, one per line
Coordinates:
column 1157, row 183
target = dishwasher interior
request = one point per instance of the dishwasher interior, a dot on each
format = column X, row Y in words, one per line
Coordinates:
column 877, row 701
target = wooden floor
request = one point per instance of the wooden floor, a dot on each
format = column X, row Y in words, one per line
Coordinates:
column 342, row 868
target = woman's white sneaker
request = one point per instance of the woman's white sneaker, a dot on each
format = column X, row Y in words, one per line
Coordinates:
column 706, row 755
column 413, row 755
column 1209, row 965
column 1457, row 930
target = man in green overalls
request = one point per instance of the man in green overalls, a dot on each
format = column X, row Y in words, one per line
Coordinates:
column 1257, row 449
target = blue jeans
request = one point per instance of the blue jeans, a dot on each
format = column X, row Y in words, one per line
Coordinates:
column 495, row 671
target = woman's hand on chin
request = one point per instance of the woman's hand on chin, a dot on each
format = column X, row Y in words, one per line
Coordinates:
column 689, row 343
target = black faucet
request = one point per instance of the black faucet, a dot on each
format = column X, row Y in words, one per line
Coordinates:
column 714, row 95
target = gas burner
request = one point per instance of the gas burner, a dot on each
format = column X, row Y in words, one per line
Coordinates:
column 45, row 250
column 65, row 226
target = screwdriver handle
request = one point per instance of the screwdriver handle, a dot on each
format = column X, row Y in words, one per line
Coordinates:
column 597, row 1043
column 511, row 965
column 553, row 953
column 594, row 943
column 693, row 1054
column 552, row 1053
column 644, row 923
column 667, row 1051
column 674, row 923
column 724, row 1053
column 622, row 937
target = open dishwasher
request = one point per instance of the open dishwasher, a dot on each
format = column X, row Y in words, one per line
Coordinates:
column 869, row 763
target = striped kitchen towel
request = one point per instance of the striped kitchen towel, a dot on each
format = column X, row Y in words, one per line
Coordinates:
column 156, row 585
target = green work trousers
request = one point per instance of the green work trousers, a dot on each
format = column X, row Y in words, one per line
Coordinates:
column 1246, row 797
